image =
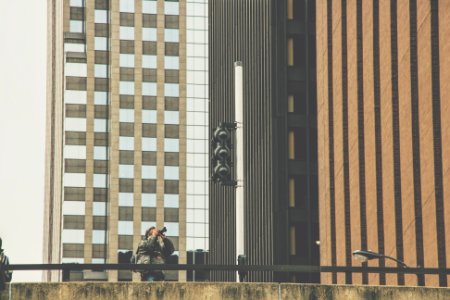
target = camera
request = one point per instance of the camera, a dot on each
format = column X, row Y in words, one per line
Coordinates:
column 162, row 230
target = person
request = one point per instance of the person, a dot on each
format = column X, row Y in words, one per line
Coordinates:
column 5, row 275
column 154, row 248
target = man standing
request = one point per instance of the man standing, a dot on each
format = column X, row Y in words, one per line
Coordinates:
column 154, row 248
column 5, row 275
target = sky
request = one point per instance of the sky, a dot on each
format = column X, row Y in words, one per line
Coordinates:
column 22, row 131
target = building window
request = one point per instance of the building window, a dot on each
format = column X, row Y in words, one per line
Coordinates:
column 125, row 228
column 100, row 98
column 98, row 236
column 171, row 35
column 75, row 97
column 126, row 199
column 100, row 153
column 149, row 61
column 171, row 173
column 171, row 8
column 100, row 180
column 126, row 115
column 127, row 6
column 171, row 200
column 149, row 7
column 149, row 89
column 148, row 144
column 72, row 236
column 171, row 62
column 76, row 26
column 126, row 171
column 149, row 116
column 99, row 208
column 73, row 208
column 75, row 179
column 148, row 172
column 126, row 88
column 126, row 143
column 126, row 33
column 75, row 69
column 148, row 200
column 101, row 16
column 149, row 34
column 171, row 145
column 101, row 71
column 127, row 60
column 76, row 3
column 171, row 90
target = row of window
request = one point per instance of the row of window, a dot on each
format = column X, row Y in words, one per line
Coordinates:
column 148, row 6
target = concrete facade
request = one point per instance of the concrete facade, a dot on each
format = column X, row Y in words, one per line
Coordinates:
column 120, row 140
column 384, row 134
column 212, row 291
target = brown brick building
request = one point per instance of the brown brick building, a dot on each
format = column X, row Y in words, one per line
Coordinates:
column 384, row 135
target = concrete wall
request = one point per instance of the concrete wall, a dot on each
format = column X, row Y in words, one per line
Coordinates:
column 187, row 291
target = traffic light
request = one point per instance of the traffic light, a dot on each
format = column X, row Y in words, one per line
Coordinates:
column 221, row 154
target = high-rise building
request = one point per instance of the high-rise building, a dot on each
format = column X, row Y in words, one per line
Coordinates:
column 384, row 136
column 127, row 129
column 275, row 41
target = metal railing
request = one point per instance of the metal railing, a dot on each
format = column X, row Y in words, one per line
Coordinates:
column 242, row 268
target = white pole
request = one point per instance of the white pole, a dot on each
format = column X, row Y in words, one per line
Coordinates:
column 239, row 163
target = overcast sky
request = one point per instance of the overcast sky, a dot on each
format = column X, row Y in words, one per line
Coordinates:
column 22, row 131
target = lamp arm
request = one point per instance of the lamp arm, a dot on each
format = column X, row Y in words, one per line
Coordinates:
column 396, row 260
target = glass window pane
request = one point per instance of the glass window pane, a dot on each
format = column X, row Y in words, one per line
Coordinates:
column 149, row 34
column 172, row 228
column 171, row 200
column 100, row 125
column 76, row 152
column 171, row 145
column 76, row 3
column 72, row 236
column 171, row 8
column 148, row 200
column 126, row 171
column 75, row 124
column 149, row 61
column 171, row 62
column 127, row 33
column 126, row 199
column 76, row 26
column 75, row 69
column 75, row 179
column 126, row 143
column 126, row 115
column 101, row 43
column 98, row 236
column 99, row 208
column 148, row 144
column 148, row 172
column 73, row 208
column 126, row 88
column 100, row 153
column 101, row 98
column 125, row 228
column 101, row 71
column 149, row 116
column 100, row 180
column 127, row 6
column 149, row 89
column 171, row 117
column 171, row 173
column 171, row 90
column 127, row 60
column 149, row 7
column 101, row 16
column 75, row 97
column 71, row 47
column 172, row 35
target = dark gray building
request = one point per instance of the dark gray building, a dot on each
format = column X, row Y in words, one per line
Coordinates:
column 275, row 40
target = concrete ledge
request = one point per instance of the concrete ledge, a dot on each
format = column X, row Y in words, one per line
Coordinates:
column 213, row 291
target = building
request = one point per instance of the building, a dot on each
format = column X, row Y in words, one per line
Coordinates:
column 127, row 129
column 275, row 40
column 384, row 135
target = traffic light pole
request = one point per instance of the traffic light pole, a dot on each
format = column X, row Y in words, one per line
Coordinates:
column 239, row 163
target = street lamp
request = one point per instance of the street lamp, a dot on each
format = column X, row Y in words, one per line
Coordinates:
column 365, row 255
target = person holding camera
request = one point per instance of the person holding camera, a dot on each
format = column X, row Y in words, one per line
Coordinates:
column 154, row 248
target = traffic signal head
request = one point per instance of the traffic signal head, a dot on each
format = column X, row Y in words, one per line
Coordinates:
column 221, row 154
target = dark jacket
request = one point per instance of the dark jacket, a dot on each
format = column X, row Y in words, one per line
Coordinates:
column 5, row 276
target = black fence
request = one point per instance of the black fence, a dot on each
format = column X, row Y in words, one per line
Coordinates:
column 239, row 268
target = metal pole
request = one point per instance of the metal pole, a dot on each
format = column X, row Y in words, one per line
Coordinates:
column 239, row 163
